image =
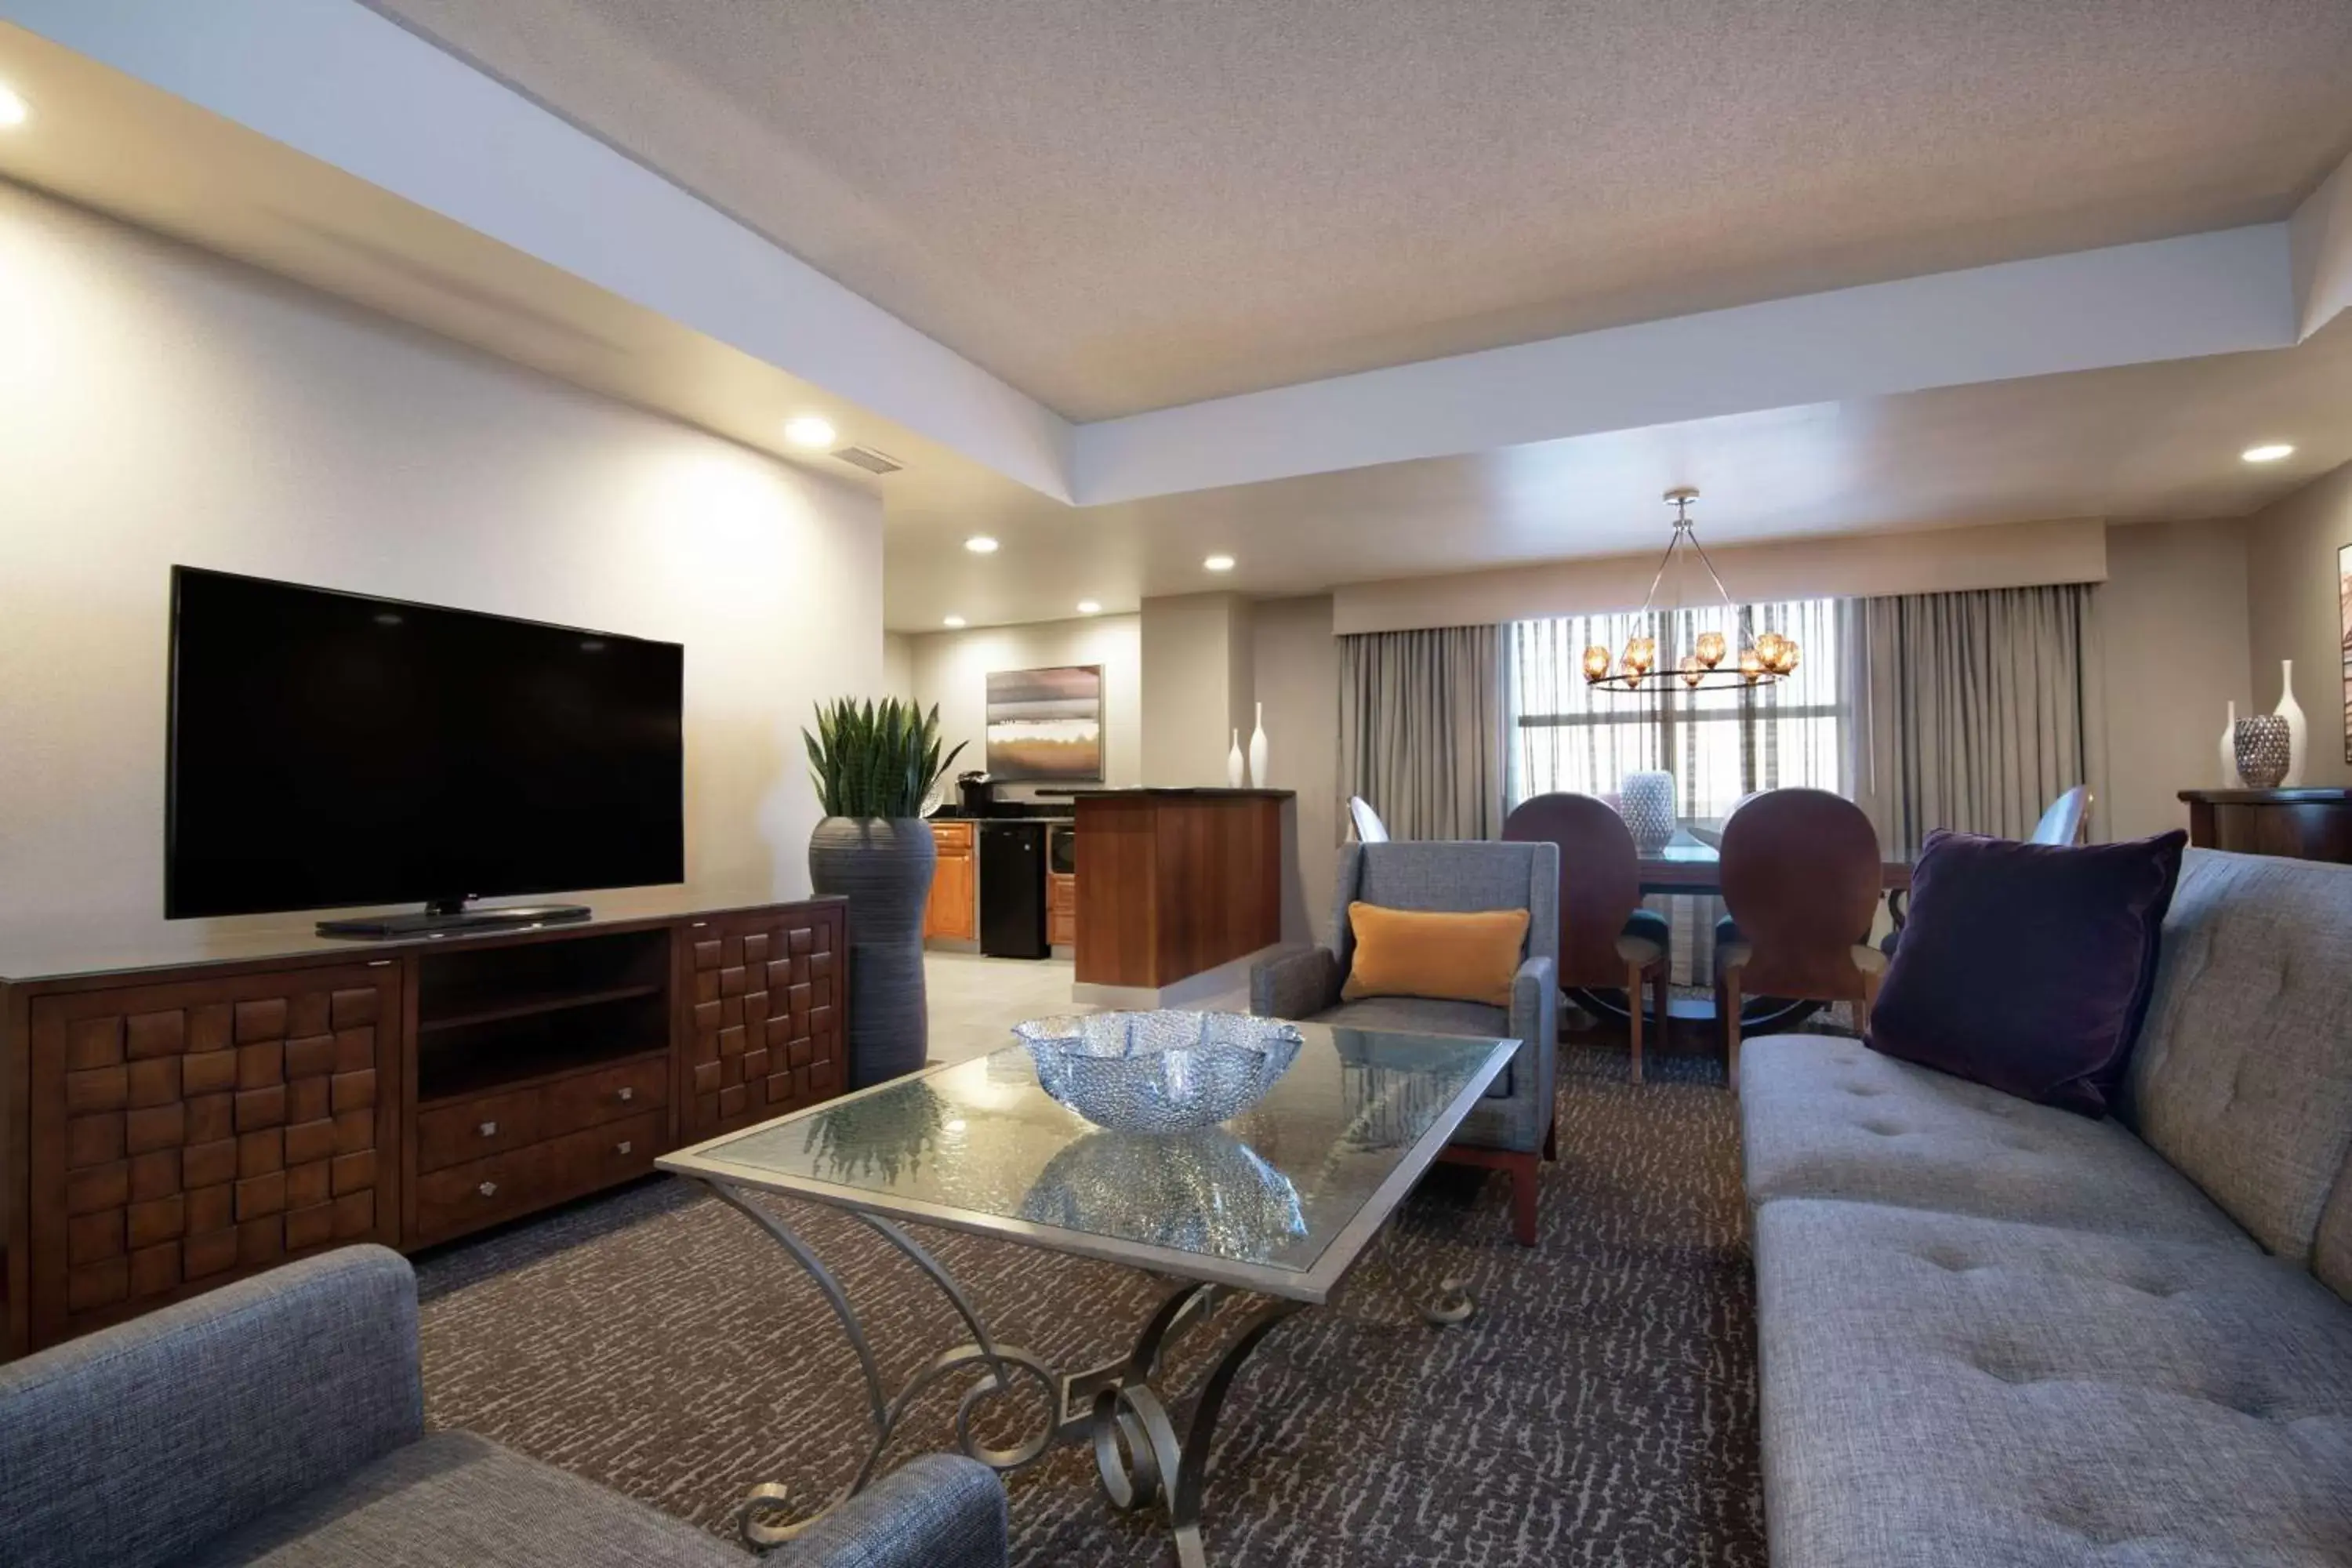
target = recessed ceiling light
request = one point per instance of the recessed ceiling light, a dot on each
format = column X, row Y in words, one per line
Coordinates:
column 1089, row 607
column 953, row 623
column 14, row 110
column 1219, row 563
column 808, row 430
column 2269, row 452
column 980, row 544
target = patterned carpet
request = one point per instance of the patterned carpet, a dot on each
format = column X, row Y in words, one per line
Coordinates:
column 1599, row 1409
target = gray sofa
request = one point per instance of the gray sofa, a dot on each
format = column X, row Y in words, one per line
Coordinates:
column 1996, row 1333
column 281, row 1420
column 1513, row 1120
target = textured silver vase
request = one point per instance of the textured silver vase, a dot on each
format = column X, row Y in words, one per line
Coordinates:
column 883, row 867
column 1646, row 800
column 2264, row 748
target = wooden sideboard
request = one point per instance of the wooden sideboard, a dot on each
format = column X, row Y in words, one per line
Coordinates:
column 171, row 1120
column 2299, row 824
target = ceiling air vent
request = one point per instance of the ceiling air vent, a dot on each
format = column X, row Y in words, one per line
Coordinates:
column 866, row 458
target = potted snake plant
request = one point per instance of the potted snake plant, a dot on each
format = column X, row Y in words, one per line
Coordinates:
column 874, row 763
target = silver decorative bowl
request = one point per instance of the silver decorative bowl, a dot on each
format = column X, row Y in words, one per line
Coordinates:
column 1158, row 1072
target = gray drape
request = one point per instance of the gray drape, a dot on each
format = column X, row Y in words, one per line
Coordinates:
column 1422, row 729
column 1976, row 709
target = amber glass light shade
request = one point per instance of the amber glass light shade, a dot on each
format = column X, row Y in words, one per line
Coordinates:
column 1710, row 648
column 1596, row 662
column 1694, row 670
column 1751, row 663
column 1641, row 653
column 1788, row 659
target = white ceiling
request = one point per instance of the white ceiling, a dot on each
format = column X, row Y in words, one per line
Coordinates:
column 2146, row 440
column 2140, row 443
column 1122, row 205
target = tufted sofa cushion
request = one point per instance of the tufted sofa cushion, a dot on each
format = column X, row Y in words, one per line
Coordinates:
column 2242, row 1078
column 1941, row 1391
column 1830, row 1118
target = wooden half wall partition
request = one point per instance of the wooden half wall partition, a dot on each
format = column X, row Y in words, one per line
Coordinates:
column 1178, row 881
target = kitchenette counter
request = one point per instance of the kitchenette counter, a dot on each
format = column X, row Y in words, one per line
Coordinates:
column 1177, row 883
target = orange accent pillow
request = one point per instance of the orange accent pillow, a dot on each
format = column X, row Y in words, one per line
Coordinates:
column 1445, row 957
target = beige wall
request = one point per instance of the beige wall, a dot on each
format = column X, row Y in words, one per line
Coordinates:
column 951, row 669
column 2292, row 584
column 159, row 405
column 1296, row 675
column 1197, row 682
column 899, row 666
column 2172, row 617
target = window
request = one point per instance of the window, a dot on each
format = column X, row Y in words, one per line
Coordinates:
column 1720, row 746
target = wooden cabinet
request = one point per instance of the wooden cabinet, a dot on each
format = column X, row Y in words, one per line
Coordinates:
column 169, row 1125
column 954, row 907
column 182, row 1132
column 1061, row 908
column 768, row 1028
column 2306, row 822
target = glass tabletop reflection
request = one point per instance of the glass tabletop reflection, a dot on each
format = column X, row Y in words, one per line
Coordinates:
column 1280, row 1198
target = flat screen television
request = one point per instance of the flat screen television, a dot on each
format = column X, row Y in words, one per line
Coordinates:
column 330, row 749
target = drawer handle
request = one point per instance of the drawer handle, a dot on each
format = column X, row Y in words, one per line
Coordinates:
column 626, row 1095
column 487, row 1189
column 489, row 1128
column 622, row 1147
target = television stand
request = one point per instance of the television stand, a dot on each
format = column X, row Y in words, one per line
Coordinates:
column 451, row 917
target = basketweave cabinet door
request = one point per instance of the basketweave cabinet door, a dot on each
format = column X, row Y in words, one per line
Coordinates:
column 767, row 1002
column 185, row 1133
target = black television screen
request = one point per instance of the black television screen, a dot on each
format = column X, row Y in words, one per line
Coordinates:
column 332, row 749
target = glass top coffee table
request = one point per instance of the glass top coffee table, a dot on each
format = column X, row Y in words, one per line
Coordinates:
column 1278, row 1202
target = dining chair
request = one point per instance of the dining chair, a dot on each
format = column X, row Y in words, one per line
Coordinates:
column 1606, row 940
column 1801, row 875
column 2065, row 820
column 1370, row 828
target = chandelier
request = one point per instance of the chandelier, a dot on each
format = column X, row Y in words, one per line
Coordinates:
column 1758, row 663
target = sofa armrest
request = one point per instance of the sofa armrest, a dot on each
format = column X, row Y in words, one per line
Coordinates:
column 1535, row 1019
column 1296, row 985
column 941, row 1511
column 138, row 1443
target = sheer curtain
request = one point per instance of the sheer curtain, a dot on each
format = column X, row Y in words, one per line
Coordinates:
column 1422, row 729
column 1719, row 745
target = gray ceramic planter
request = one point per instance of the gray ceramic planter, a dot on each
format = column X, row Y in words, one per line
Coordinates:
column 883, row 865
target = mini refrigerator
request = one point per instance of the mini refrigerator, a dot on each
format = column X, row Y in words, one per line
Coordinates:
column 1013, row 888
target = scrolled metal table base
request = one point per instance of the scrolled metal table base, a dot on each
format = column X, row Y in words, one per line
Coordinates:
column 1142, row 1454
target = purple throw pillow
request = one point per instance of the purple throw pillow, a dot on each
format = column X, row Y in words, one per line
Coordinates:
column 2028, row 967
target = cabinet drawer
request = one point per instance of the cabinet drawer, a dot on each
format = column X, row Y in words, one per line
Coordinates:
column 588, row 1099
column 452, row 1134
column 460, row 1198
column 952, row 837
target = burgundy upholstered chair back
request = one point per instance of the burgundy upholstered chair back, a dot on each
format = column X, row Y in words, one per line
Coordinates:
column 1801, row 877
column 1600, row 880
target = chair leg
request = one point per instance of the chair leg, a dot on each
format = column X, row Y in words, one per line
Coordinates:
column 1727, row 1004
column 1523, row 1199
column 1661, row 1004
column 1633, row 1018
column 1551, row 1139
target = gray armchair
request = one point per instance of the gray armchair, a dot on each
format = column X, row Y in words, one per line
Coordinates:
column 1511, row 1129
column 281, row 1419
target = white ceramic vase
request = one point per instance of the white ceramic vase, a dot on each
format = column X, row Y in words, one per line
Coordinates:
column 2229, row 749
column 1257, row 750
column 2298, row 732
column 1234, row 762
